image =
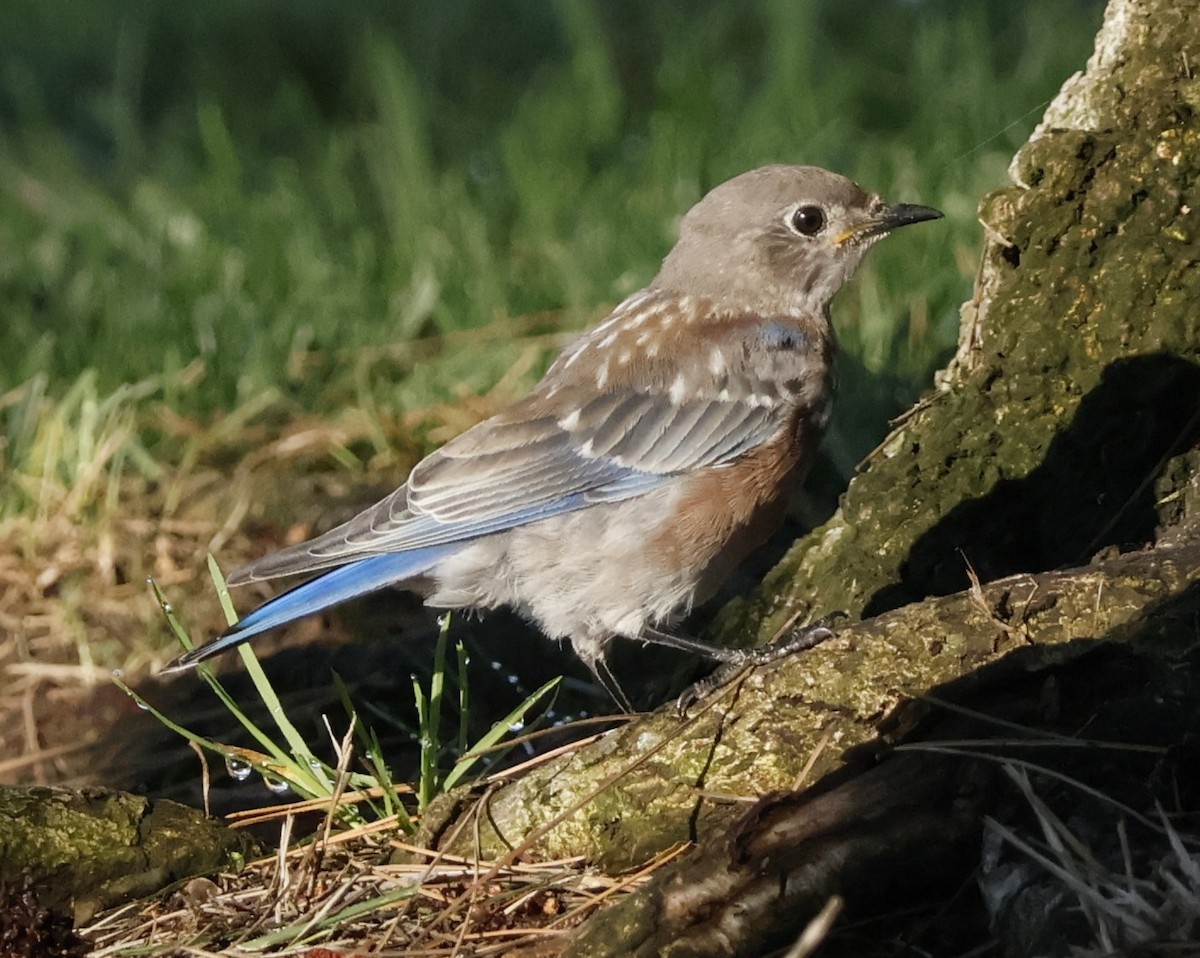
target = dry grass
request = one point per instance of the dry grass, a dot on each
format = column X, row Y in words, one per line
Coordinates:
column 1145, row 901
column 344, row 892
column 73, row 607
column 86, row 516
column 364, row 889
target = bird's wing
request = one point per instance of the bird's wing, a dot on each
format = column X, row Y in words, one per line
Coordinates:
column 535, row 460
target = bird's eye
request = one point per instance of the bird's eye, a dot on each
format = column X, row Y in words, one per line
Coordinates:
column 808, row 220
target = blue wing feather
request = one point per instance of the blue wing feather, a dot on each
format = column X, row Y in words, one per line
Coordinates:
column 339, row 585
column 358, row 578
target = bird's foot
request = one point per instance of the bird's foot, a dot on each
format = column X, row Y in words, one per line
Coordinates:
column 795, row 640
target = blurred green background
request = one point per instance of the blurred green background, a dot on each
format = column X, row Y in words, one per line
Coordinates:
column 225, row 201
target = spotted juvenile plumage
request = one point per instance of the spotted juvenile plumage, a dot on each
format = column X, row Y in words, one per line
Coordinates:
column 656, row 451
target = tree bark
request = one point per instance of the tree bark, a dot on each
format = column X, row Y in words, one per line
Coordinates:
column 899, row 823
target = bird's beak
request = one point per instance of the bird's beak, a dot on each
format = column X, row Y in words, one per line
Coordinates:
column 886, row 220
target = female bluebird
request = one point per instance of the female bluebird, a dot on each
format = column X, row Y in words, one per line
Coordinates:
column 653, row 455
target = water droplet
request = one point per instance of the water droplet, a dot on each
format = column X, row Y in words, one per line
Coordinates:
column 142, row 704
column 516, row 726
column 238, row 768
column 118, row 674
column 443, row 620
column 496, row 666
column 276, row 786
column 168, row 608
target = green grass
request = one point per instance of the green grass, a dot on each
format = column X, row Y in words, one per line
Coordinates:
column 246, row 185
column 221, row 221
column 287, row 762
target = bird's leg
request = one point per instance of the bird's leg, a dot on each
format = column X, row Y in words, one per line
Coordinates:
column 714, row 653
column 795, row 640
column 598, row 665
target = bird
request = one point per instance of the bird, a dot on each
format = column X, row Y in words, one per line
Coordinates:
column 655, row 453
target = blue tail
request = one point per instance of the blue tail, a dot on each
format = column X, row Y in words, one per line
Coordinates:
column 340, row 585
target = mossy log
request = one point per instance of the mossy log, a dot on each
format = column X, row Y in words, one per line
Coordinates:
column 89, row 848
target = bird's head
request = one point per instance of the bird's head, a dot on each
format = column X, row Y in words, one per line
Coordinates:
column 780, row 239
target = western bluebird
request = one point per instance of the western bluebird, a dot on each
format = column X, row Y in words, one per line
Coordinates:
column 655, row 453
